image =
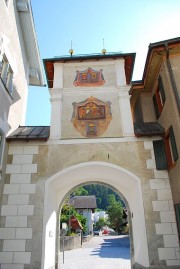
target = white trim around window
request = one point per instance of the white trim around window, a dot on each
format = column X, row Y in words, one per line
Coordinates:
column 6, row 2
column 6, row 75
column 2, row 143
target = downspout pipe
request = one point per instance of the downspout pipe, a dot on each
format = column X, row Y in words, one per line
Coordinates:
column 173, row 83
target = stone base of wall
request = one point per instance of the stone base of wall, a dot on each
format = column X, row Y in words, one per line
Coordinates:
column 70, row 242
column 86, row 238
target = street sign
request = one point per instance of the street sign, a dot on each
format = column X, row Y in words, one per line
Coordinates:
column 63, row 232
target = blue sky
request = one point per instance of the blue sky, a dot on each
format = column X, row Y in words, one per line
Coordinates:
column 126, row 26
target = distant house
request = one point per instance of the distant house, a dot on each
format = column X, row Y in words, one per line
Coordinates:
column 85, row 205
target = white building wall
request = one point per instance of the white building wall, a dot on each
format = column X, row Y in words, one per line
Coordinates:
column 87, row 213
column 12, row 45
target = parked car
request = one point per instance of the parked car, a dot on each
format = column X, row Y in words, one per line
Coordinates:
column 97, row 232
column 105, row 231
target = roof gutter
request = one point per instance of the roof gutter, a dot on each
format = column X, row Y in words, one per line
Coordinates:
column 173, row 83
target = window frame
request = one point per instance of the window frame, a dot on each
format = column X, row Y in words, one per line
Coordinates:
column 6, row 2
column 165, row 151
column 177, row 214
column 2, row 143
column 171, row 148
column 160, row 154
column 159, row 98
column 6, row 75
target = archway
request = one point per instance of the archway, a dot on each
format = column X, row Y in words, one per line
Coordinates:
column 57, row 187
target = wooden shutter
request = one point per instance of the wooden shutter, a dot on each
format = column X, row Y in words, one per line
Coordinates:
column 161, row 89
column 177, row 211
column 160, row 154
column 173, row 144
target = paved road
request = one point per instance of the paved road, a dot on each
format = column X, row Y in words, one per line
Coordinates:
column 101, row 252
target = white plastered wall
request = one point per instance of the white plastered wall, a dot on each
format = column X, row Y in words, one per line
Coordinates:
column 57, row 187
column 64, row 93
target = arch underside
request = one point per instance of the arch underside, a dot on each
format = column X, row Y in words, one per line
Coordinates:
column 122, row 181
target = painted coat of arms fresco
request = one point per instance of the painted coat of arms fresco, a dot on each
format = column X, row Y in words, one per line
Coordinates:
column 89, row 78
column 91, row 117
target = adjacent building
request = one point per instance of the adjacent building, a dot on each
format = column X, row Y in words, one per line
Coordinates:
column 155, row 103
column 20, row 65
column 86, row 205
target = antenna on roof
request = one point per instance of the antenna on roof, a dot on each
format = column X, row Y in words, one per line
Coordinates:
column 71, row 50
column 103, row 50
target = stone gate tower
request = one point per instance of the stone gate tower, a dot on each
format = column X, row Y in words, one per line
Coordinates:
column 91, row 139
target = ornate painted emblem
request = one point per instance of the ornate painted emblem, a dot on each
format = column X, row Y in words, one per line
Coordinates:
column 89, row 78
column 91, row 117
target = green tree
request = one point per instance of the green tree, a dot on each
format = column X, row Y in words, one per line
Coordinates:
column 82, row 220
column 100, row 223
column 101, row 192
column 115, row 213
column 80, row 192
column 66, row 211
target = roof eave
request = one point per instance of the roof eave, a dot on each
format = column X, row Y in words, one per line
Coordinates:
column 30, row 133
column 95, row 56
column 30, row 41
column 161, row 45
column 126, row 56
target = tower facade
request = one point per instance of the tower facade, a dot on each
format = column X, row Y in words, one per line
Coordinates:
column 93, row 138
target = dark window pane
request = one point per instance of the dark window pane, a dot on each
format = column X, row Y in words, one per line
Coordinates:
column 160, row 155
column 1, row 145
column 161, row 89
column 173, row 144
column 177, row 211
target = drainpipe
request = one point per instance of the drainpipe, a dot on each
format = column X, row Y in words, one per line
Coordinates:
column 173, row 83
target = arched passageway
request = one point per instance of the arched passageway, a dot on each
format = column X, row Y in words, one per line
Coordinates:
column 60, row 184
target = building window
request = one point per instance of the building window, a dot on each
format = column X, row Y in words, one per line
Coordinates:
column 1, row 146
column 171, row 148
column 159, row 98
column 80, row 212
column 165, row 151
column 6, row 74
column 177, row 212
column 160, row 154
column 6, row 1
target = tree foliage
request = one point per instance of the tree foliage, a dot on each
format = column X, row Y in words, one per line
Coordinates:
column 101, row 222
column 80, row 192
column 115, row 213
column 101, row 192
